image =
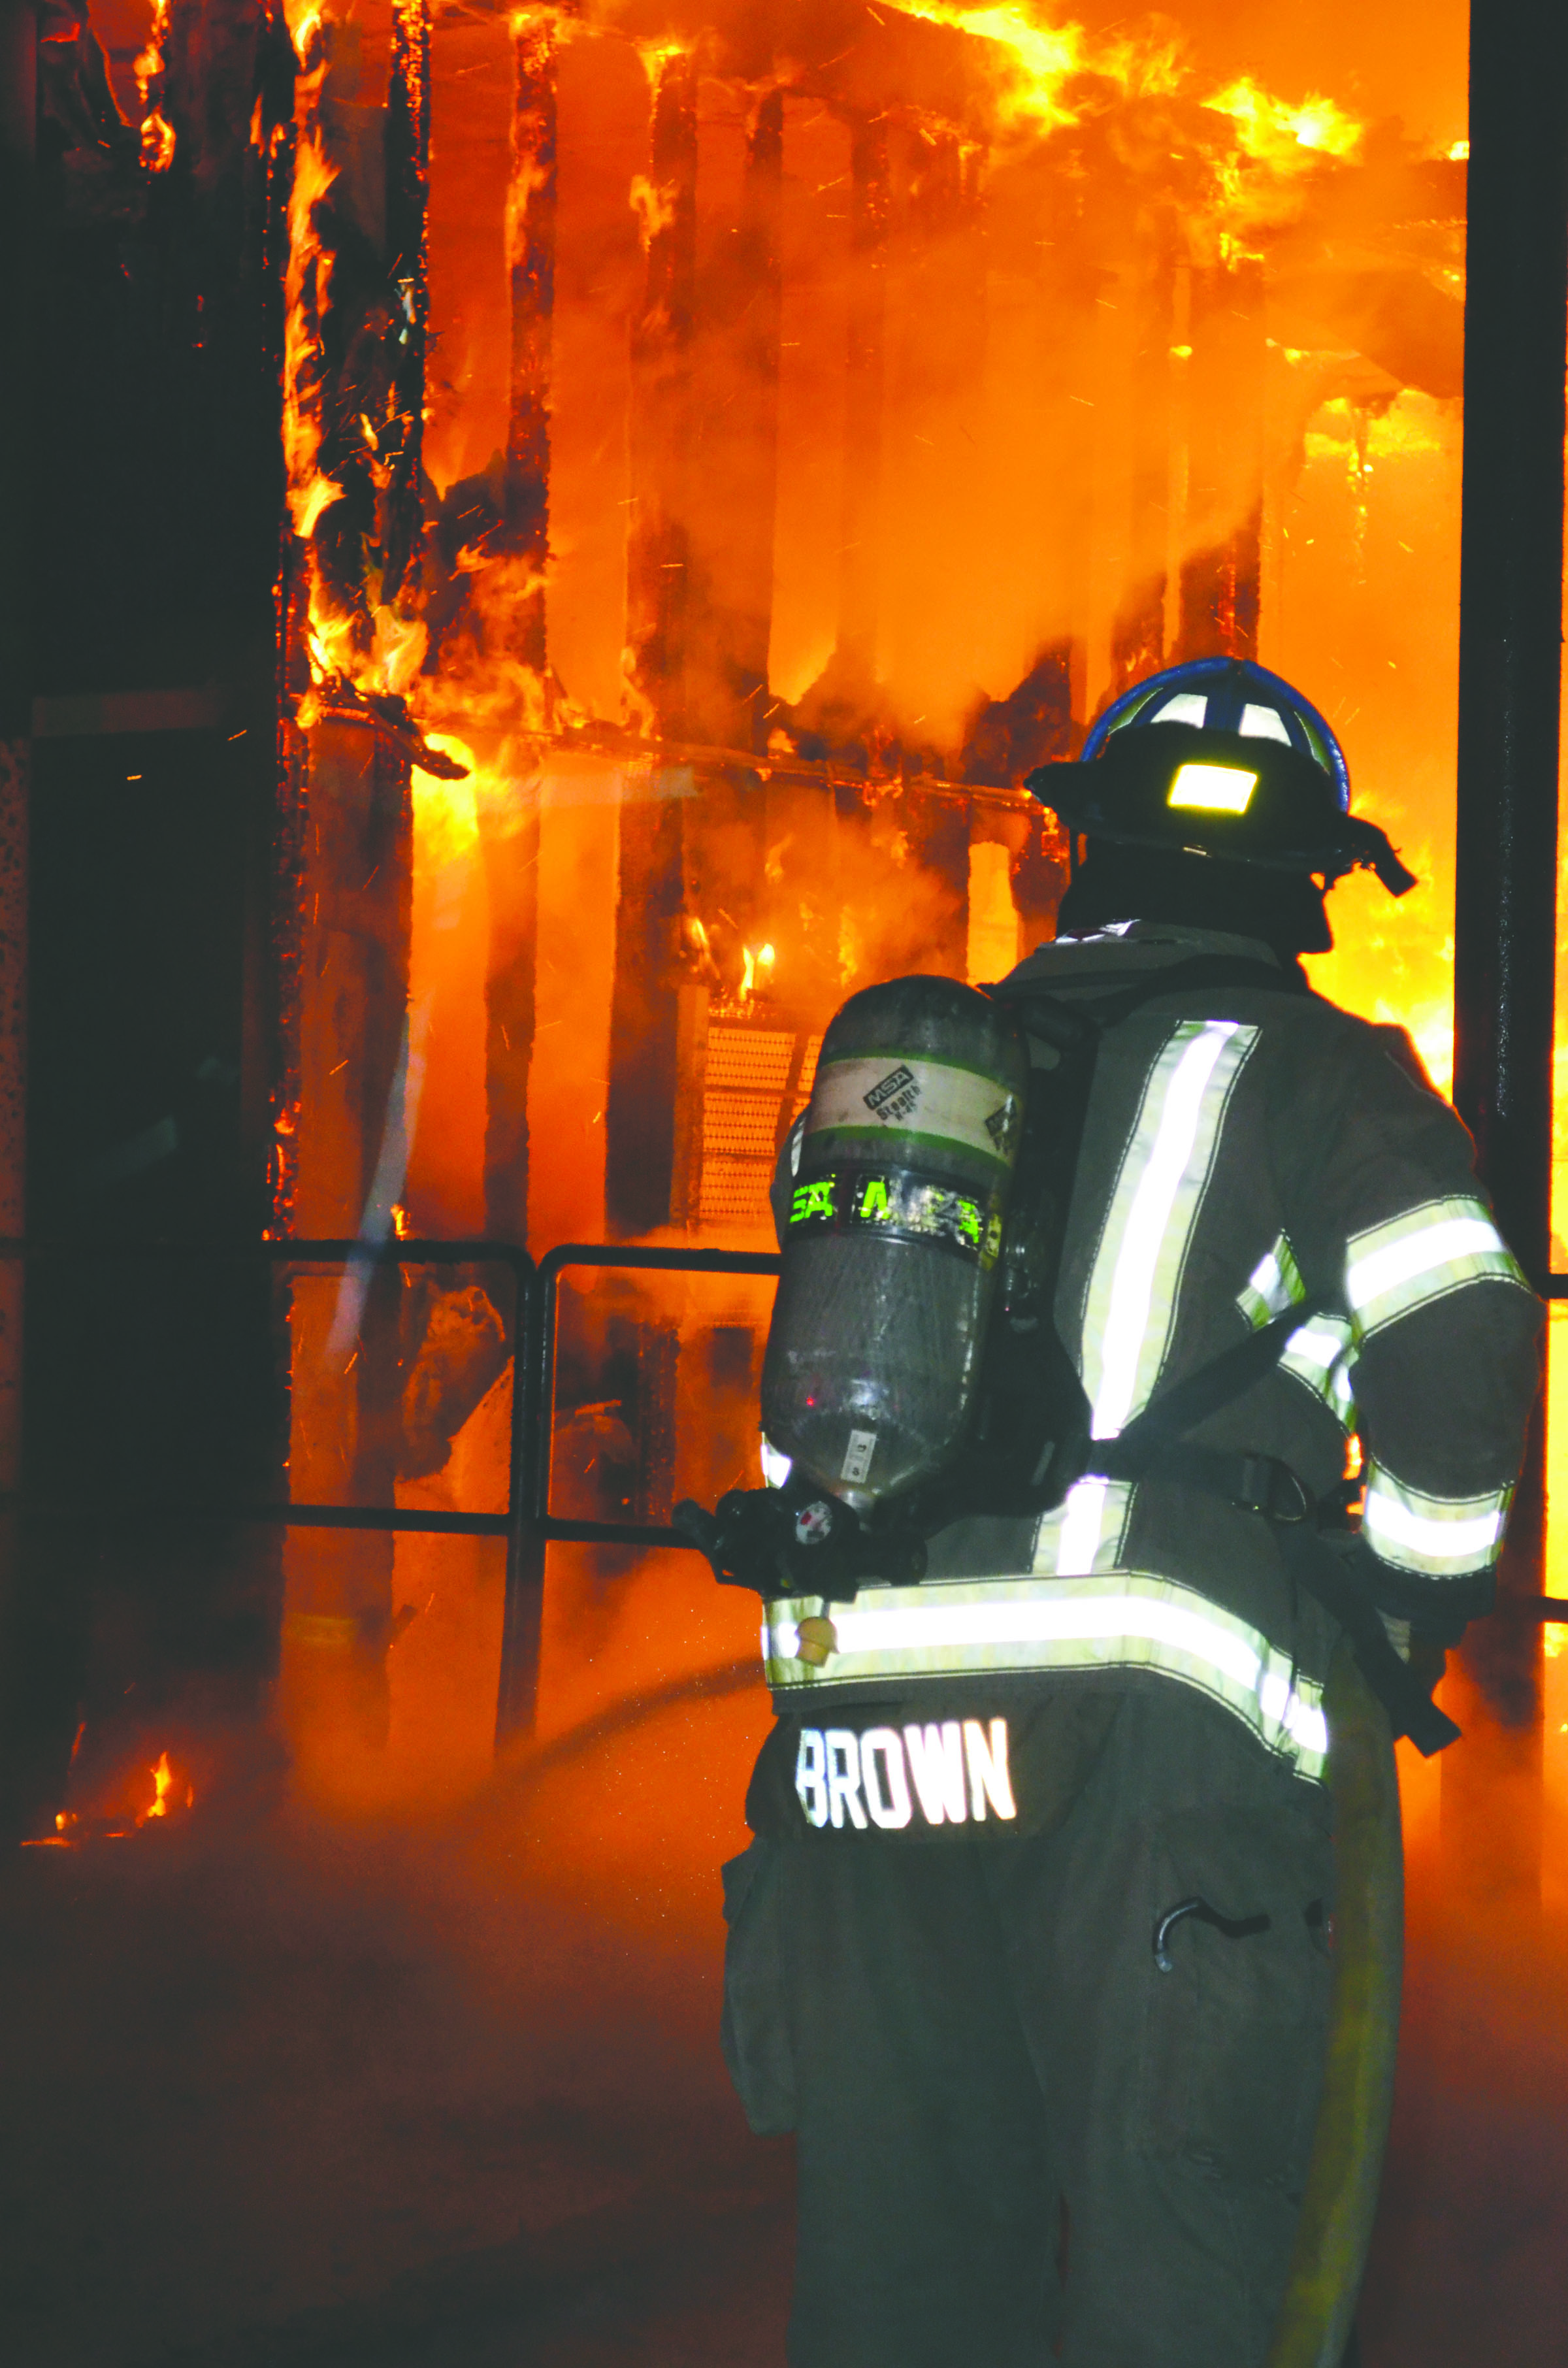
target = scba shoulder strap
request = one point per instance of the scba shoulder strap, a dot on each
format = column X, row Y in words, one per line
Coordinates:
column 1031, row 1416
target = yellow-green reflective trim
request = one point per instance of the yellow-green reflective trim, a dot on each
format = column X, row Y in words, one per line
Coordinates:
column 1321, row 1356
column 1422, row 1256
column 1130, row 1310
column 1131, row 1306
column 1274, row 1284
column 990, row 1627
column 1437, row 1537
column 1083, row 1535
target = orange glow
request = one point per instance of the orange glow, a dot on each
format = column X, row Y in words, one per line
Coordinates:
column 1084, row 193
column 1041, row 60
column 1270, row 130
column 116, row 1820
column 163, row 1785
column 157, row 135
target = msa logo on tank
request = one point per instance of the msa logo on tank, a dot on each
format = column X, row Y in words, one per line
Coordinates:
column 953, row 1773
column 895, row 1097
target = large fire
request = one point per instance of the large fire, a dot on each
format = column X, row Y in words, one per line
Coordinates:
column 725, row 450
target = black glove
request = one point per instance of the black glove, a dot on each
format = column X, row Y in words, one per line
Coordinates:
column 792, row 1542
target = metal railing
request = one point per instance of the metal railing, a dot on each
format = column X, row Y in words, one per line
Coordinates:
column 527, row 1525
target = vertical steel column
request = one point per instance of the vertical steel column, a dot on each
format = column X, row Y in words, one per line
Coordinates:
column 19, row 99
column 1510, row 670
column 19, row 107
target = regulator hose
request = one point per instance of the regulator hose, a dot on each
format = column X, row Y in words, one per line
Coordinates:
column 1345, row 2172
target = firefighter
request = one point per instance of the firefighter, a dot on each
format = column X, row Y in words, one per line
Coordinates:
column 1031, row 1947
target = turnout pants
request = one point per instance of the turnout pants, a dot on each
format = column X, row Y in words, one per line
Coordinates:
column 1021, row 2139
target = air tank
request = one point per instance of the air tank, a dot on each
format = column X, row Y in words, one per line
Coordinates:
column 890, row 1234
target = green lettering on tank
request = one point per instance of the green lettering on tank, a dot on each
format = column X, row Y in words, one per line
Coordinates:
column 968, row 1214
column 814, row 1200
column 874, row 1199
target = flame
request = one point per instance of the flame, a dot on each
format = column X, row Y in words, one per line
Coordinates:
column 163, row 1777
column 653, row 205
column 445, row 813
column 656, row 55
column 157, row 134
column 74, row 1830
column 335, row 637
column 1270, row 129
column 1042, row 59
column 758, row 962
column 306, row 287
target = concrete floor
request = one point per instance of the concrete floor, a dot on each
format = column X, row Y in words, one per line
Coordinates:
column 286, row 2093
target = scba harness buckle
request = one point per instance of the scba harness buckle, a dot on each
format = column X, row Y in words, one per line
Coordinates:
column 1271, row 1487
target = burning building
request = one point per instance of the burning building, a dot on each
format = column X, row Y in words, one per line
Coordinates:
column 594, row 513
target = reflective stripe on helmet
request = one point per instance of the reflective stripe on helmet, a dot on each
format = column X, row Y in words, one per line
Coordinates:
column 1437, row 1537
column 1125, row 1619
column 1130, row 1310
column 1420, row 1257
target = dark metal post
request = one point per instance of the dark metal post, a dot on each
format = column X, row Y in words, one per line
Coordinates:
column 1510, row 662
column 533, row 1347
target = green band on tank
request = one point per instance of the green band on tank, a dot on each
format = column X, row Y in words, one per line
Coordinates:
column 900, row 1207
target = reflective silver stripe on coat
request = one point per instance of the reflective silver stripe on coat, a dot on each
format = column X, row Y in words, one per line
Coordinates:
column 1421, row 1256
column 1130, row 1308
column 1437, row 1537
column 1127, row 1619
column 1321, row 1356
column 1274, row 1284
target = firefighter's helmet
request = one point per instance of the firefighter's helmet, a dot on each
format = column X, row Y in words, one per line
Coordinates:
column 1220, row 758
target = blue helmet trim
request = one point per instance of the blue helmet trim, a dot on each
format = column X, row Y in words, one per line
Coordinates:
column 1226, row 684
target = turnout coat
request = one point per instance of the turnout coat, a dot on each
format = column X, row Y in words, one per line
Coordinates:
column 1245, row 1150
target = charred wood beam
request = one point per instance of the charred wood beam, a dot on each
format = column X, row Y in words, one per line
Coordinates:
column 1219, row 582
column 1138, row 634
column 350, row 1157
column 407, row 210
column 658, row 546
column 532, row 259
column 735, row 449
column 642, row 1186
column 760, row 251
column 1504, row 953
column 643, row 1177
column 854, row 658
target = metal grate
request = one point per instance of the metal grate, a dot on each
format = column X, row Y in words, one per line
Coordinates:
column 747, row 1077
